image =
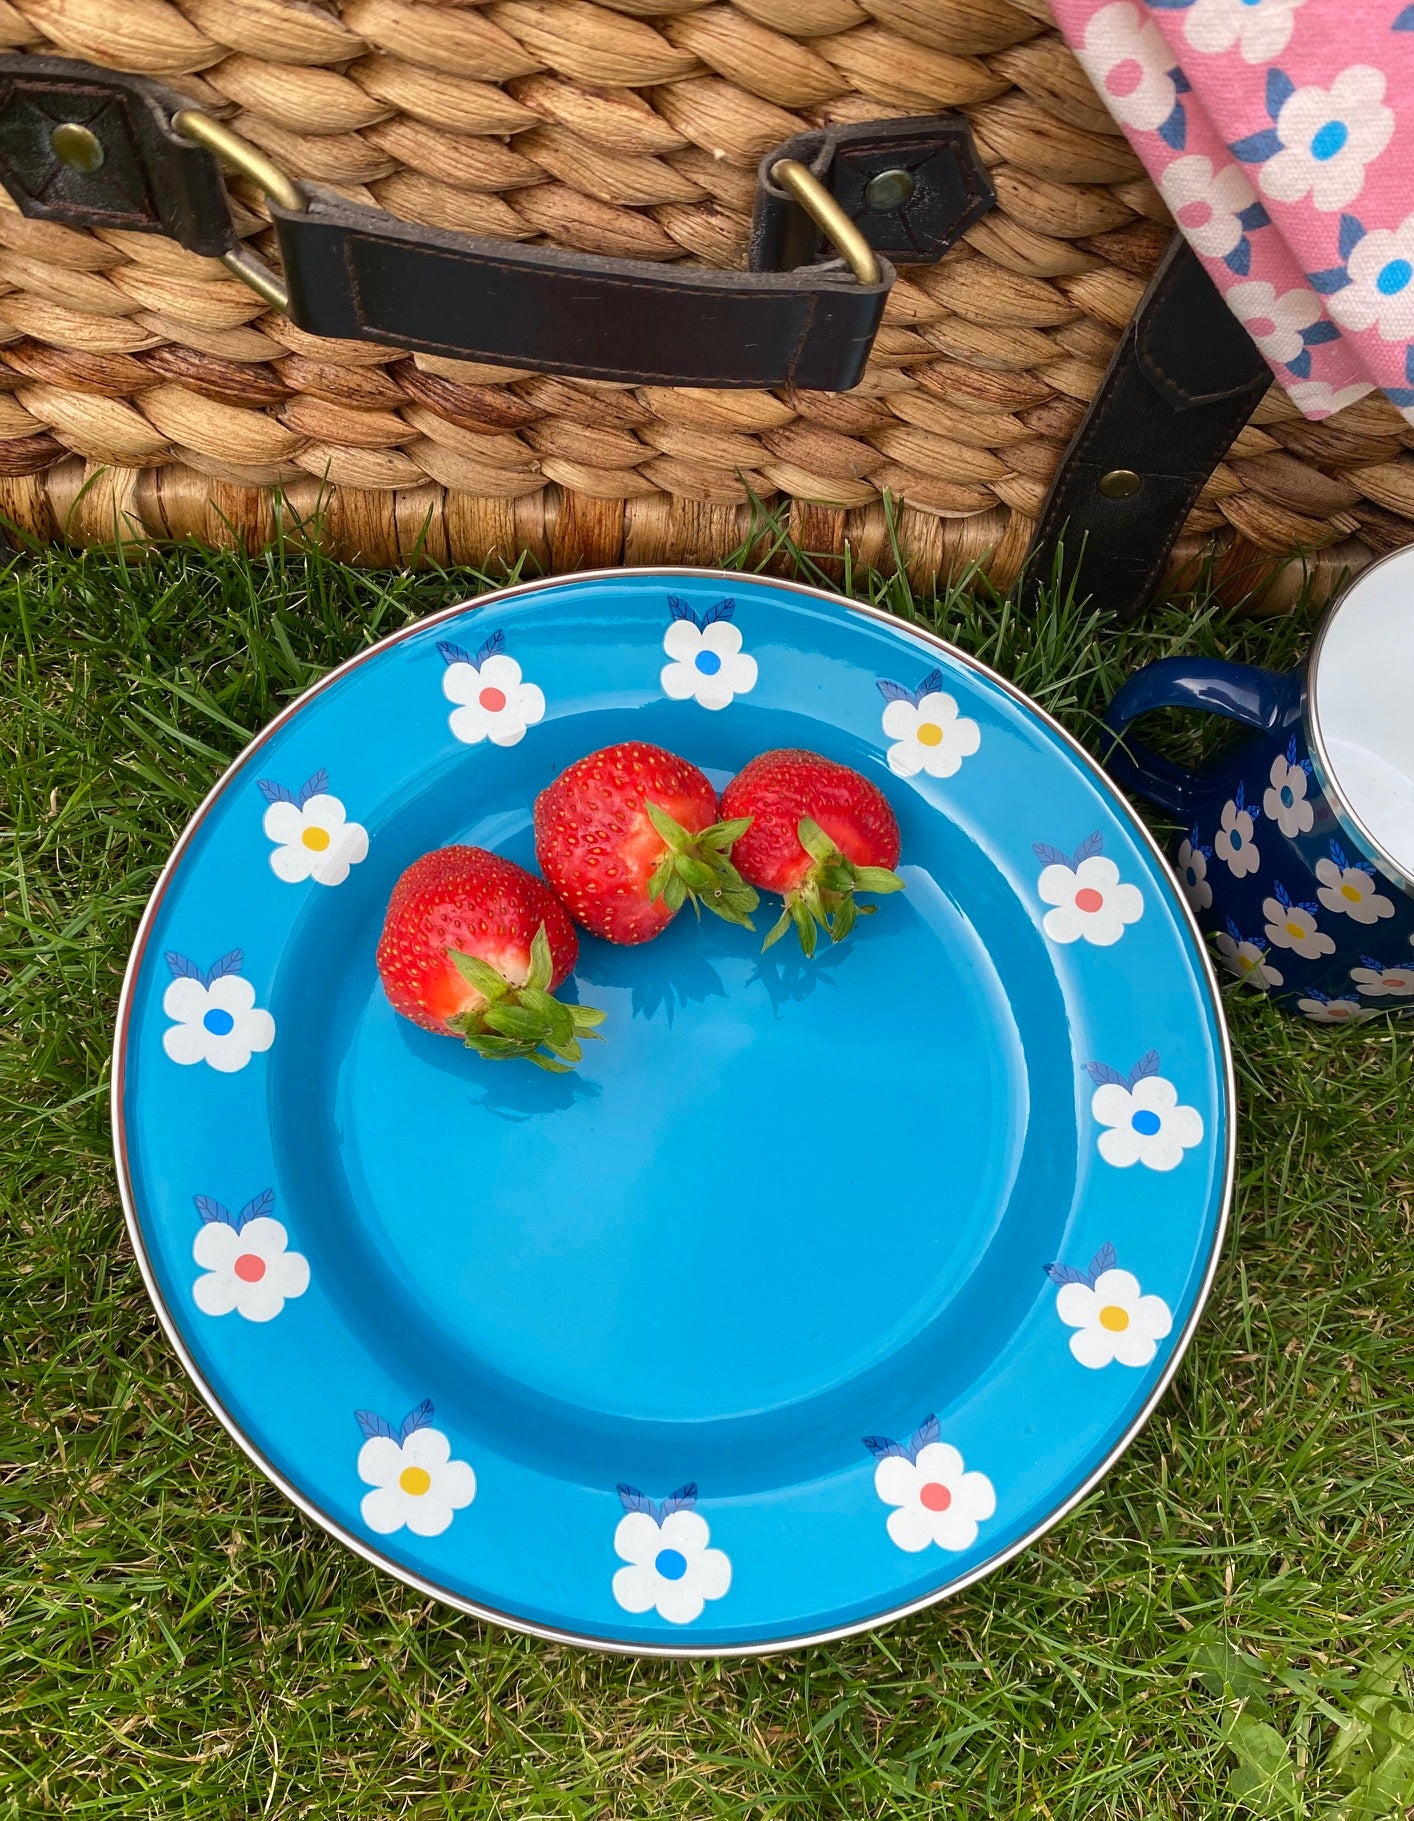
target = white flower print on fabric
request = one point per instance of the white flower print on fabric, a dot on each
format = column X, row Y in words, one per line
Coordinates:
column 1233, row 842
column 1214, row 208
column 1125, row 56
column 1348, row 888
column 1277, row 322
column 1322, row 1010
column 708, row 665
column 1320, row 140
column 1248, row 960
column 1090, row 901
column 928, row 733
column 1373, row 980
column 936, row 1500
column 1113, row 1320
column 671, row 1568
column 245, row 1259
column 416, row 1484
column 1374, row 289
column 1315, row 399
column 1142, row 1116
column 1294, row 926
column 1285, row 801
column 313, row 836
column 491, row 699
column 1193, row 858
column 1261, row 29
column 214, row 1016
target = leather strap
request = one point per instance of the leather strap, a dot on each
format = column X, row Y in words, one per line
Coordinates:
column 797, row 318
column 1182, row 383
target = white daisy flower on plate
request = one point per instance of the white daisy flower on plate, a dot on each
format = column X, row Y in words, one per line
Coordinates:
column 1349, row 889
column 492, row 701
column 1260, row 29
column 416, row 1484
column 1293, row 926
column 1321, row 1009
column 1142, row 1116
column 1193, row 858
column 1376, row 981
column 707, row 664
column 214, row 1016
column 1112, row 1319
column 1285, row 801
column 1090, row 902
column 245, row 1259
column 1248, row 960
column 671, row 1568
column 1233, row 842
column 929, row 734
column 936, row 1500
column 313, row 836
column 1125, row 56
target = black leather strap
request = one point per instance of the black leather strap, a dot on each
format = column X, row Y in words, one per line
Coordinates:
column 798, row 317
column 1182, row 383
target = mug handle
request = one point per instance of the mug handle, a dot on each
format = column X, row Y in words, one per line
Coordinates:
column 1245, row 693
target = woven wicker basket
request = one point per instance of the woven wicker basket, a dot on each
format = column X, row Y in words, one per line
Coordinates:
column 146, row 393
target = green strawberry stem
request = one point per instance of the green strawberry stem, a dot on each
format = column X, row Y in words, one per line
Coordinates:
column 824, row 899
column 697, row 869
column 523, row 1021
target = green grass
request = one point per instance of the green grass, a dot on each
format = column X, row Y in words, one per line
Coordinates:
column 177, row 1641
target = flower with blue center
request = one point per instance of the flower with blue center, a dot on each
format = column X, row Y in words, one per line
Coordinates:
column 1143, row 1120
column 1375, row 288
column 1320, row 140
column 214, row 1016
column 1285, row 801
column 708, row 665
column 671, row 1568
column 1233, row 842
column 1193, row 858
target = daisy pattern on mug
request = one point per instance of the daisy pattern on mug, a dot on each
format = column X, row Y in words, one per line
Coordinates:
column 1089, row 900
column 1193, row 858
column 1373, row 980
column 1247, row 959
column 1113, row 1320
column 246, row 1263
column 416, row 1484
column 1291, row 925
column 1143, row 1119
column 1348, row 888
column 937, row 1501
column 313, row 837
column 491, row 700
column 928, row 732
column 1233, row 842
column 1284, row 801
column 1320, row 1008
column 670, row 1566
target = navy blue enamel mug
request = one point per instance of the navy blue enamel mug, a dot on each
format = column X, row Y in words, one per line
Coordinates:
column 1299, row 854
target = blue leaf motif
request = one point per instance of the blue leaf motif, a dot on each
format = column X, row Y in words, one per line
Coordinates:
column 1338, row 855
column 1048, row 855
column 1409, row 363
column 1239, row 801
column 453, row 654
column 1327, row 283
column 1089, row 847
column 490, row 647
column 230, row 963
column 1404, row 22
column 1280, row 89
column 273, row 792
column 930, row 685
column 374, row 1425
column 925, row 1434
column 1104, row 1076
column 1170, row 6
column 893, row 692
column 633, row 1500
column 1291, row 750
column 1369, row 961
column 213, row 1212
column 1400, row 395
column 1174, row 131
column 1239, row 260
column 883, row 1449
column 257, row 1208
column 680, row 610
column 682, row 1500
column 415, row 1419
column 1104, row 1260
column 1148, row 1064
column 1301, row 366
column 1233, row 930
column 1065, row 1274
column 1352, row 232
column 1256, row 148
column 1283, row 896
column 1254, row 216
column 1180, row 81
column 314, row 786
column 182, row 968
column 724, row 610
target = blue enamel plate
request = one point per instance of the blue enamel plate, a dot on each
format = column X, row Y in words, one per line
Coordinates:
column 820, row 1288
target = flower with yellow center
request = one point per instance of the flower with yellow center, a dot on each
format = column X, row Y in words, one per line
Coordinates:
column 312, row 835
column 1113, row 1322
column 416, row 1484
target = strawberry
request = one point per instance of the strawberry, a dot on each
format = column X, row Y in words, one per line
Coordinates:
column 473, row 946
column 629, row 834
column 818, row 834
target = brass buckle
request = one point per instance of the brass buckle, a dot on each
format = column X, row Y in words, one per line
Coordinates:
column 829, row 217
column 239, row 155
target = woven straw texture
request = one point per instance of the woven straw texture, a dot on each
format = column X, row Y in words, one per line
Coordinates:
column 146, row 394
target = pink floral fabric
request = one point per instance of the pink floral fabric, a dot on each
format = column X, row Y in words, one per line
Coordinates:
column 1281, row 135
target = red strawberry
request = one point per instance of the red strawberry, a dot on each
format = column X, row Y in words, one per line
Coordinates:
column 818, row 833
column 473, row 946
column 628, row 834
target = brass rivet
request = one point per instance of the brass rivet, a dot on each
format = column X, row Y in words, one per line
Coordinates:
column 77, row 147
column 889, row 190
column 1120, row 484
